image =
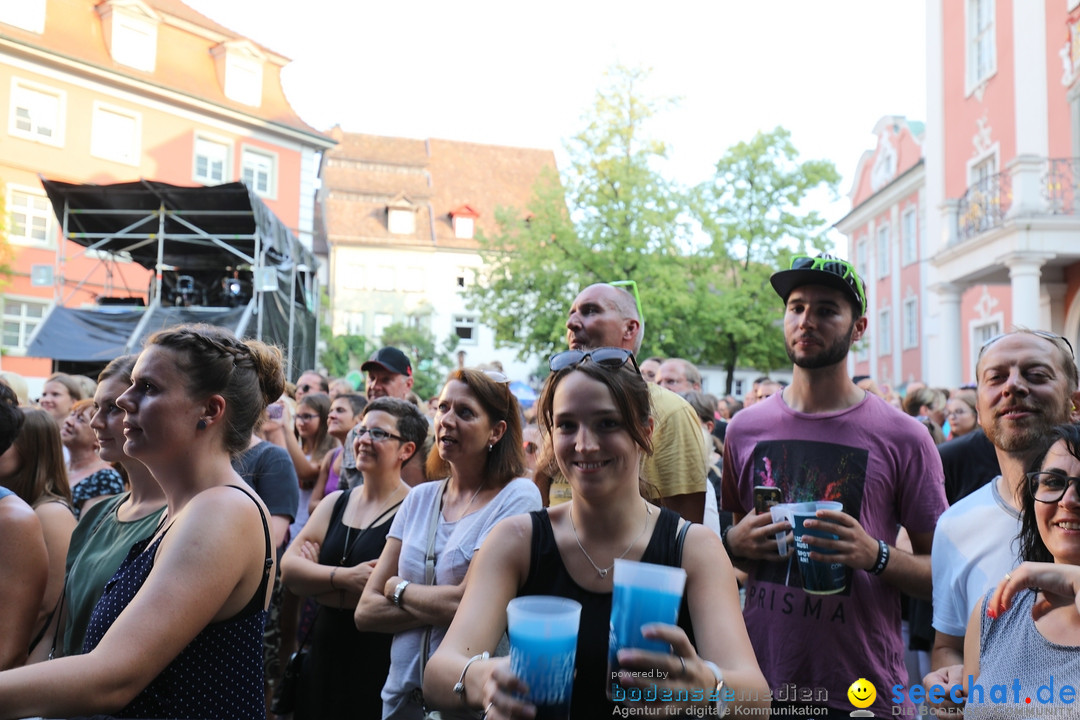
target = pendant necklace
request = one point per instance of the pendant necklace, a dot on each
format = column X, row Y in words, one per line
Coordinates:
column 602, row 572
column 386, row 508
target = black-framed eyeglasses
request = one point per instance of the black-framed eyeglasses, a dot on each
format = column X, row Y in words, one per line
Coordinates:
column 1052, row 337
column 1049, row 486
column 377, row 435
column 611, row 358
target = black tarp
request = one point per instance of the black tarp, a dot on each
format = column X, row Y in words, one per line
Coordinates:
column 198, row 229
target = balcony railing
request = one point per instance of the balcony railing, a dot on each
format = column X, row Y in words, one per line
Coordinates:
column 984, row 205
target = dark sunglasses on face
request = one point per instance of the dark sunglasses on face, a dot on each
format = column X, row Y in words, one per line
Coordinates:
column 611, row 358
column 304, row 388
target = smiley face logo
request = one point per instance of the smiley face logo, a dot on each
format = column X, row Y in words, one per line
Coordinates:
column 862, row 693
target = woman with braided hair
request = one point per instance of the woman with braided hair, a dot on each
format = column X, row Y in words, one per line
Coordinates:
column 178, row 630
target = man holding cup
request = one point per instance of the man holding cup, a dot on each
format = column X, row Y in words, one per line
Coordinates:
column 829, row 612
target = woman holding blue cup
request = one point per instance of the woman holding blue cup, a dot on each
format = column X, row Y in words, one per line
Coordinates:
column 594, row 411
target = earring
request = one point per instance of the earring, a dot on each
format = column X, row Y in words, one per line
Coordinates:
column 490, row 446
column 201, row 425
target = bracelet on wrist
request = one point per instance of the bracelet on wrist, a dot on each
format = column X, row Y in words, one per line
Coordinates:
column 724, row 540
column 882, row 559
column 332, row 572
column 459, row 686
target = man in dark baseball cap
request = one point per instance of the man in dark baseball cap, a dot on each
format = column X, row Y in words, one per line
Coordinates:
column 389, row 374
column 390, row 361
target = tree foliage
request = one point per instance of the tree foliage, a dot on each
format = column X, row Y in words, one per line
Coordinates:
column 701, row 258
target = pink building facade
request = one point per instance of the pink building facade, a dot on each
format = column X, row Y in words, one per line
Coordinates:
column 1002, row 222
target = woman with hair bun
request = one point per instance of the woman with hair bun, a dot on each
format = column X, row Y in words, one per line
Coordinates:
column 178, row 630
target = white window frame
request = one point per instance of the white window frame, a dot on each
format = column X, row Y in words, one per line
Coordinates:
column 26, row 324
column 26, row 14
column 133, row 41
column 351, row 276
column 265, row 155
column 46, row 212
column 243, row 78
column 981, row 330
column 226, row 171
column 101, row 147
column 23, row 90
column 470, row 323
column 992, row 156
column 385, row 279
column 975, row 37
column 909, row 333
column 862, row 258
column 464, row 227
column 382, row 321
column 401, row 221
column 884, row 345
column 882, row 253
column 412, row 279
column 909, row 224
column 354, row 323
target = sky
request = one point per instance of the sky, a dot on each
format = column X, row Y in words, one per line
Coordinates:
column 525, row 73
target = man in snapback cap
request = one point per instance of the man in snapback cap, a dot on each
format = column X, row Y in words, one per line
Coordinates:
column 389, row 374
column 824, row 438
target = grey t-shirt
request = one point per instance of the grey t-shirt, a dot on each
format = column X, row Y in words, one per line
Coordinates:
column 455, row 545
column 270, row 472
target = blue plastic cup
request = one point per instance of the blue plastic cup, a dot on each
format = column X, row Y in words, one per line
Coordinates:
column 644, row 593
column 543, row 646
column 819, row 578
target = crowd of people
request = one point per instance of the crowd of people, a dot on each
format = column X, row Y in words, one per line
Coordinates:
column 193, row 537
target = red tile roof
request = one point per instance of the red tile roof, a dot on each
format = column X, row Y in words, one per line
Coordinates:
column 364, row 173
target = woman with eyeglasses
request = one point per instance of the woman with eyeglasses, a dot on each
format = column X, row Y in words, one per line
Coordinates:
column 595, row 413
column 333, row 558
column 419, row 579
column 345, row 412
column 92, row 479
column 1028, row 627
column 960, row 413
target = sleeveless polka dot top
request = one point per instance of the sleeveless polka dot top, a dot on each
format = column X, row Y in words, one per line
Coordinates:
column 219, row 675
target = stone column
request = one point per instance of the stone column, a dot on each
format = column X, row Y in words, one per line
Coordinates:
column 1025, row 269
column 945, row 369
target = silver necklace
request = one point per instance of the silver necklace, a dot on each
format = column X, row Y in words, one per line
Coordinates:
column 469, row 504
column 602, row 572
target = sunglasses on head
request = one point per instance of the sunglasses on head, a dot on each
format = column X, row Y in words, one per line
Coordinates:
column 841, row 268
column 611, row 358
column 1039, row 333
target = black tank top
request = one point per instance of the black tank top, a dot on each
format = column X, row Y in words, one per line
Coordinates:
column 548, row 576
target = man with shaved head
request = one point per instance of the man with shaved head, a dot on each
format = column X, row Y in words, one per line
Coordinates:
column 603, row 315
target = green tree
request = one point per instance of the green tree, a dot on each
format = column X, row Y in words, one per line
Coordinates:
column 625, row 222
column 345, row 353
column 752, row 211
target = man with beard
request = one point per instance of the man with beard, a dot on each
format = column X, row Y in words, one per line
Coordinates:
column 1027, row 384
column 824, row 438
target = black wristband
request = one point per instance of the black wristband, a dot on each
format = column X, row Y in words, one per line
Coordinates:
column 723, row 539
column 882, row 558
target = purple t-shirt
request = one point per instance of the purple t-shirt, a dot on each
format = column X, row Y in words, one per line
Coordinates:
column 882, row 464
